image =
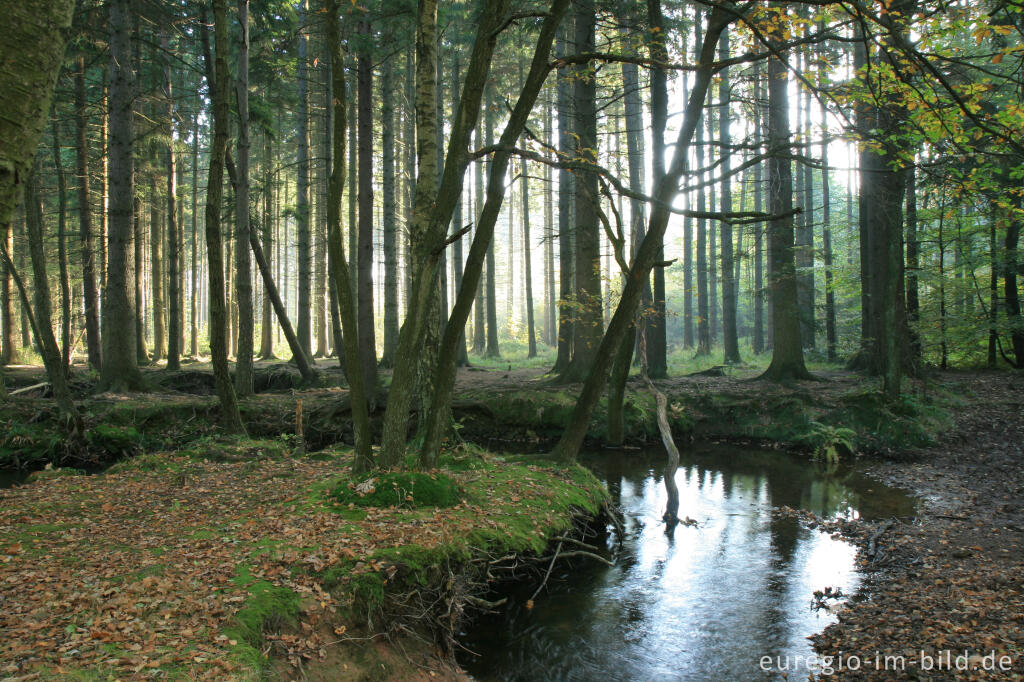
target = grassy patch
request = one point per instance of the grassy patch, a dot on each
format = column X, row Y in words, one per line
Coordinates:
column 399, row 489
column 269, row 607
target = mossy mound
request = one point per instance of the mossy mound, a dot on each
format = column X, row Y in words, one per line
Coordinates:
column 409, row 489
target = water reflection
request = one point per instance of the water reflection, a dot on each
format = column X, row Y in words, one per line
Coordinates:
column 702, row 603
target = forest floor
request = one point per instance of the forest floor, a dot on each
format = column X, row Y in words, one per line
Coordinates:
column 200, row 564
column 949, row 583
column 948, row 580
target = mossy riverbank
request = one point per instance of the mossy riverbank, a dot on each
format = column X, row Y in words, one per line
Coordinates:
column 236, row 557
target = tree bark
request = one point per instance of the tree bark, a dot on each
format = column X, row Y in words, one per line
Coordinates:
column 230, row 416
column 389, row 224
column 364, row 264
column 650, row 250
column 787, row 351
column 120, row 370
column 730, row 337
column 444, row 381
column 173, row 252
column 566, row 184
column 302, row 211
column 243, row 268
column 657, row 331
column 89, row 290
column 588, row 324
column 434, row 207
column 62, row 253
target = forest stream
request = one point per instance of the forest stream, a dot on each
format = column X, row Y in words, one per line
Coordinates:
column 703, row 603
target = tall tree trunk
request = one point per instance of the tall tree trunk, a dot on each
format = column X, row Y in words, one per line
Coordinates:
column 805, row 230
column 322, row 183
column 230, row 416
column 703, row 308
column 364, row 264
column 457, row 251
column 759, row 228
column 550, row 315
column 305, row 246
column 389, row 224
column 491, row 288
column 445, row 373
column 120, row 368
column 589, row 323
column 56, row 370
column 434, row 208
column 787, row 351
column 1012, row 296
column 650, row 250
column 194, row 274
column 479, row 306
column 267, row 321
column 657, row 329
column 531, row 336
column 826, row 233
column 8, row 349
column 339, row 267
column 139, row 245
column 62, row 253
column 730, row 337
column 913, row 258
column 243, row 268
column 173, row 252
column 89, row 290
column 566, row 188
column 156, row 273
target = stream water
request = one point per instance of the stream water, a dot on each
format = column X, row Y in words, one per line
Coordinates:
column 705, row 603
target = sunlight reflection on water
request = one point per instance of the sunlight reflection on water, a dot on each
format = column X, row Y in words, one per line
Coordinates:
column 704, row 604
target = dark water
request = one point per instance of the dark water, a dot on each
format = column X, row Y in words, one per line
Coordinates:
column 704, row 604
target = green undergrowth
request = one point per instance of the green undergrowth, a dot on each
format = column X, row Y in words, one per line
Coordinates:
column 808, row 419
column 798, row 417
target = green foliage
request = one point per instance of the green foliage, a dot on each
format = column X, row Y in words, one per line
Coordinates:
column 830, row 441
column 410, row 489
column 27, row 446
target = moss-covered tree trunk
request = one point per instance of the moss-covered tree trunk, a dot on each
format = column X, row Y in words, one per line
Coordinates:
column 173, row 235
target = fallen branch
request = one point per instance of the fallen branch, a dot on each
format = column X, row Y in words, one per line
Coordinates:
column 548, row 574
column 873, row 540
column 586, row 555
column 26, row 389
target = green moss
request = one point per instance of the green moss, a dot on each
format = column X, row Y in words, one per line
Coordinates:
column 409, row 489
column 269, row 607
column 114, row 441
